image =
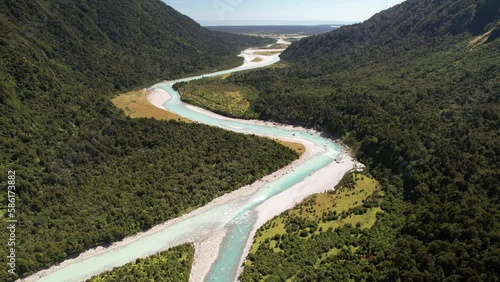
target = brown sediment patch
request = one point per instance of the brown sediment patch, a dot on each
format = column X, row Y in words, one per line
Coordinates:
column 297, row 147
column 224, row 76
column 136, row 105
column 483, row 37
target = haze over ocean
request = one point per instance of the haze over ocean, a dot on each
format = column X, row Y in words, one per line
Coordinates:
column 280, row 12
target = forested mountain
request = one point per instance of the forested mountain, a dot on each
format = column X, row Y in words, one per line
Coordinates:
column 415, row 92
column 85, row 174
column 401, row 33
column 125, row 43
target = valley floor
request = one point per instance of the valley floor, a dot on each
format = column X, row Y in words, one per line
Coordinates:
column 207, row 240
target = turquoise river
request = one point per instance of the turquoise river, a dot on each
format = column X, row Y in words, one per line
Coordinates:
column 237, row 216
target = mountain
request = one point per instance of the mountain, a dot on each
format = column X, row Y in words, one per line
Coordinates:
column 420, row 25
column 86, row 175
column 414, row 91
column 131, row 42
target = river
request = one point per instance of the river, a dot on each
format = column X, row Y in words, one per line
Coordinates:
column 238, row 216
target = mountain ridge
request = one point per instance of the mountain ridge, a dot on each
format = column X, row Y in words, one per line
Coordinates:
column 442, row 19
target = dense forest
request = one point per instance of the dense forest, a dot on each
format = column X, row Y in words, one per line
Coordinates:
column 321, row 231
column 415, row 92
column 173, row 265
column 87, row 175
column 219, row 96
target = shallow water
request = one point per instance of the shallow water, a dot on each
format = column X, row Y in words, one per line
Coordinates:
column 237, row 215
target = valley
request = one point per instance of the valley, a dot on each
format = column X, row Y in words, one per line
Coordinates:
column 144, row 150
column 241, row 211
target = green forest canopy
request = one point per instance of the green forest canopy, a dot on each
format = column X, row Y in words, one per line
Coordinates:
column 86, row 174
column 322, row 230
column 415, row 91
column 173, row 265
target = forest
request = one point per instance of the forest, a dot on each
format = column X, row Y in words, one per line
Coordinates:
column 219, row 96
column 322, row 230
column 414, row 91
column 87, row 175
column 173, row 265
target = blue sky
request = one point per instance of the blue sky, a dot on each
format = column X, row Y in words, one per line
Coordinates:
column 227, row 12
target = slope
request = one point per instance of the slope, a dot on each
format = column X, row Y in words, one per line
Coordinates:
column 85, row 174
column 414, row 90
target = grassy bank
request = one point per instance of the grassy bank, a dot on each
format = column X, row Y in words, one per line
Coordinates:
column 136, row 105
column 315, row 231
column 219, row 95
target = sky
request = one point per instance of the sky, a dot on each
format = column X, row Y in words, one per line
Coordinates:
column 229, row 12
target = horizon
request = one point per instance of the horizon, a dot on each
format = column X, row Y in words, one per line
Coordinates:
column 275, row 23
column 279, row 12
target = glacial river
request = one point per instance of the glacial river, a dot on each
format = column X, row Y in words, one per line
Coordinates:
column 237, row 216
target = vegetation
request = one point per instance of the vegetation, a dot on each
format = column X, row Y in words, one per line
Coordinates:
column 219, row 95
column 268, row 53
column 173, row 265
column 414, row 90
column 135, row 105
column 276, row 46
column 86, row 174
column 293, row 39
column 322, row 230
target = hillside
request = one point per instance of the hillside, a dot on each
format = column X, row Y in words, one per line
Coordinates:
column 403, row 32
column 87, row 175
column 136, row 43
column 414, row 91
